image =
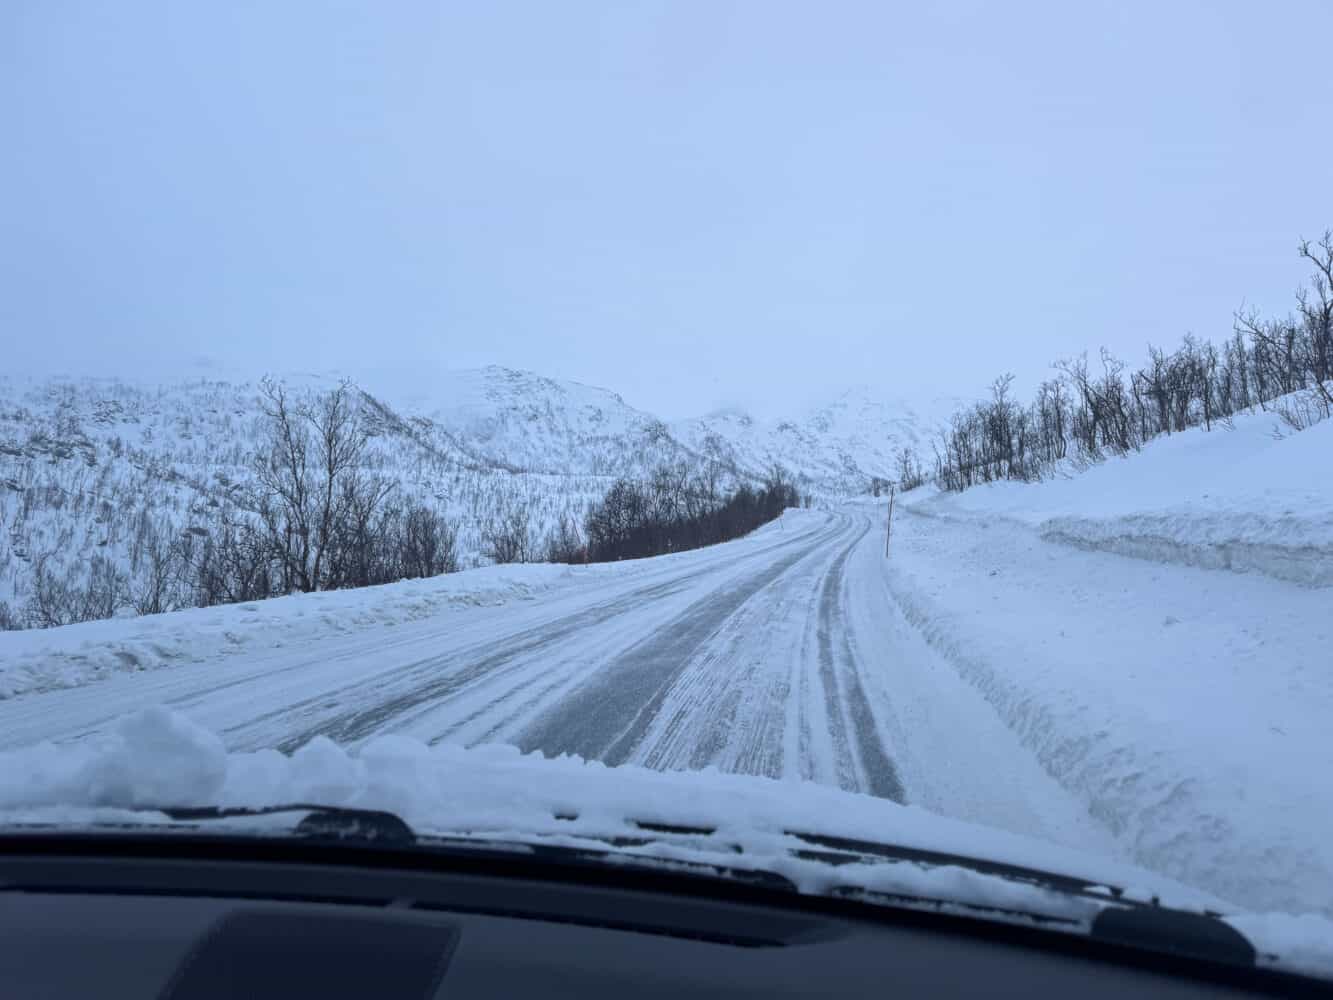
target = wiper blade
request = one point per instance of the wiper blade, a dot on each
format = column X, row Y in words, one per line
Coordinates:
column 1138, row 923
column 343, row 823
column 838, row 851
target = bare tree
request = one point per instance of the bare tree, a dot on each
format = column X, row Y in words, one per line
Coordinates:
column 565, row 544
column 428, row 544
column 507, row 537
column 908, row 469
column 157, row 588
column 310, row 486
column 1316, row 311
column 55, row 602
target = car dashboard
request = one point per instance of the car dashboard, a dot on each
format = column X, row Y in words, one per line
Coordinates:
column 186, row 920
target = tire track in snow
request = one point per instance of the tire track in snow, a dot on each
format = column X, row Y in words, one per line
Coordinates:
column 608, row 717
column 862, row 763
column 525, row 700
column 732, row 705
column 436, row 678
column 421, row 686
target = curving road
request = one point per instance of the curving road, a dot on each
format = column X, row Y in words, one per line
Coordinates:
column 782, row 654
column 694, row 668
column 739, row 656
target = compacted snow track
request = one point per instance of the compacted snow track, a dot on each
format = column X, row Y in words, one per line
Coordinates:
column 779, row 655
column 587, row 671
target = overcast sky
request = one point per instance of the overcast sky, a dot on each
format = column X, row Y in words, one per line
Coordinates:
column 695, row 204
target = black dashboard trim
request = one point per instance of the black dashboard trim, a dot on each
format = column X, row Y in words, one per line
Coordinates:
column 25, row 866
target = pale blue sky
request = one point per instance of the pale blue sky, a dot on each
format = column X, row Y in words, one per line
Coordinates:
column 692, row 203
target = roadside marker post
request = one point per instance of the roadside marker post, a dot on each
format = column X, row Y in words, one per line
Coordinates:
column 888, row 521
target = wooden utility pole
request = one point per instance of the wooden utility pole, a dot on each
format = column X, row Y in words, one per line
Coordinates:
column 888, row 521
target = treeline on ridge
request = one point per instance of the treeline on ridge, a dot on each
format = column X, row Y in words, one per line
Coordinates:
column 1090, row 411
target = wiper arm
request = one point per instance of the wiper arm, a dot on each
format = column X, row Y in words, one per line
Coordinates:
column 322, row 822
column 1145, row 924
column 836, row 851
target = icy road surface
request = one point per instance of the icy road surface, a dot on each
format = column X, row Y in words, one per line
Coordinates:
column 776, row 655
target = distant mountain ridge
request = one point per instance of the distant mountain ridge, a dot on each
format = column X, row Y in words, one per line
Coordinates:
column 538, row 424
column 532, row 423
column 838, row 447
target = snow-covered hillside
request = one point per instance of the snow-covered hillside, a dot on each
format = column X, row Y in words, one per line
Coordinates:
column 1253, row 497
column 526, row 422
column 838, row 447
column 95, row 472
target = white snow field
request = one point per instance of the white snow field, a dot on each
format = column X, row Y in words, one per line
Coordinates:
column 991, row 670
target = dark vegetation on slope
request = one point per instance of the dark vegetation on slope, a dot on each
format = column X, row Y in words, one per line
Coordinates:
column 1088, row 412
column 671, row 512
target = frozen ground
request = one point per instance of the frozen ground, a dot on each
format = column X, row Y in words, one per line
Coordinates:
column 1131, row 708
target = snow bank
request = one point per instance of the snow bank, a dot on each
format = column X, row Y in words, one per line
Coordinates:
column 1301, row 944
column 1187, row 708
column 46, row 659
column 154, row 758
column 1256, row 498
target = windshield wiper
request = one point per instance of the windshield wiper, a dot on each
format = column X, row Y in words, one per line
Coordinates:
column 1120, row 919
column 1144, row 924
column 839, row 851
column 1134, row 922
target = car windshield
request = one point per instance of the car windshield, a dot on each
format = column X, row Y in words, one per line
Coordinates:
column 678, row 428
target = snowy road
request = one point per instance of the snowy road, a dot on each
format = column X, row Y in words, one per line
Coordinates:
column 777, row 655
column 983, row 673
column 741, row 661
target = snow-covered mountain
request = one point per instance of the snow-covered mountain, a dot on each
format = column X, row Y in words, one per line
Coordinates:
column 837, row 447
column 530, row 423
column 92, row 471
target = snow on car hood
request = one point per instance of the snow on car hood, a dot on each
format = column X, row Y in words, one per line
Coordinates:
column 158, row 759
